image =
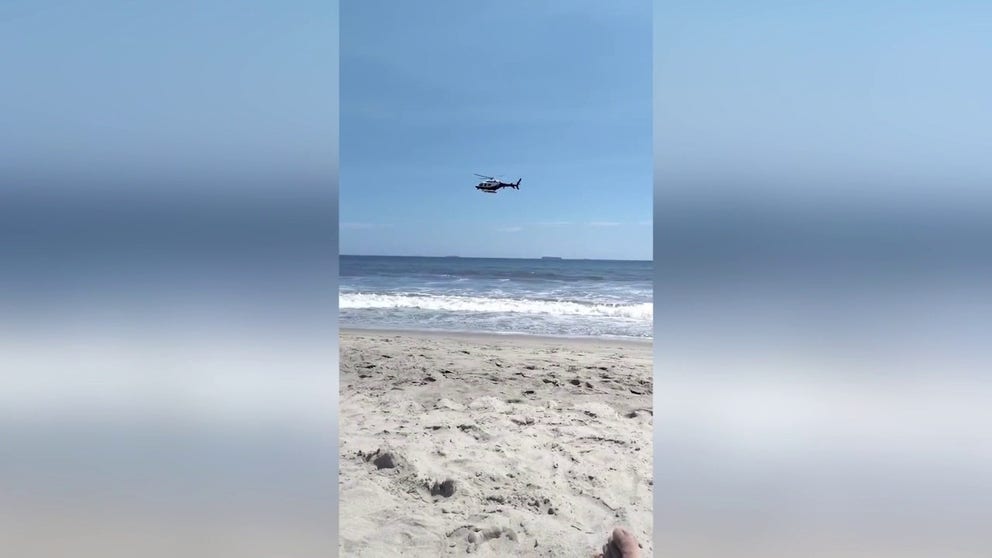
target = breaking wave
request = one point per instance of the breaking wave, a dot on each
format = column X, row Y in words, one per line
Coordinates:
column 452, row 303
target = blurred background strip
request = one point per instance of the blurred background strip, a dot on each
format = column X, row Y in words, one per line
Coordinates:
column 823, row 294
column 168, row 234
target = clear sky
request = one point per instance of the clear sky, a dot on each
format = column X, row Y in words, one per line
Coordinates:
column 555, row 93
column 184, row 94
column 151, row 145
column 859, row 130
column 850, row 99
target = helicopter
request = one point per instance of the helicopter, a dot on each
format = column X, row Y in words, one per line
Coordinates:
column 490, row 185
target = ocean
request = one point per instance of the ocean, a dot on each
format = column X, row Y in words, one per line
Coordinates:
column 574, row 298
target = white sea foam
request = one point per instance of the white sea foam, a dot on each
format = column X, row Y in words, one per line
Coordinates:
column 450, row 303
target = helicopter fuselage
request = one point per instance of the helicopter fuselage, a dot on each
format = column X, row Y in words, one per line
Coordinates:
column 492, row 185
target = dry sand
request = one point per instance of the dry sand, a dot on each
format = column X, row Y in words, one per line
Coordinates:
column 492, row 445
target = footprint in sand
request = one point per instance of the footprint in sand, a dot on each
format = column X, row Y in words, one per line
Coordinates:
column 382, row 459
column 445, row 488
column 476, row 536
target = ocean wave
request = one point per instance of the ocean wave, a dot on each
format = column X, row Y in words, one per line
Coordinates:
column 452, row 303
column 498, row 274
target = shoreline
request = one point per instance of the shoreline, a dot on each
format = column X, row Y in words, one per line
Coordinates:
column 489, row 336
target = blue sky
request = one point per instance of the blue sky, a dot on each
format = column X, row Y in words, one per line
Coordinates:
column 150, row 148
column 556, row 93
column 843, row 138
column 880, row 101
column 207, row 95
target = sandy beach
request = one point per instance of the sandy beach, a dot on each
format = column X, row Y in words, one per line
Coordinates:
column 455, row 444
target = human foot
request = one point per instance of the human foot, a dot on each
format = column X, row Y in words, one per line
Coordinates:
column 621, row 544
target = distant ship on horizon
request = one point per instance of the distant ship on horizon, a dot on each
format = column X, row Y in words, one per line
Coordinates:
column 551, row 258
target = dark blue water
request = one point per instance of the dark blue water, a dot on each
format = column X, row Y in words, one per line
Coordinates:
column 541, row 297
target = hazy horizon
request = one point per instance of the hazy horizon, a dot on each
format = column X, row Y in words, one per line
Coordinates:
column 491, row 257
